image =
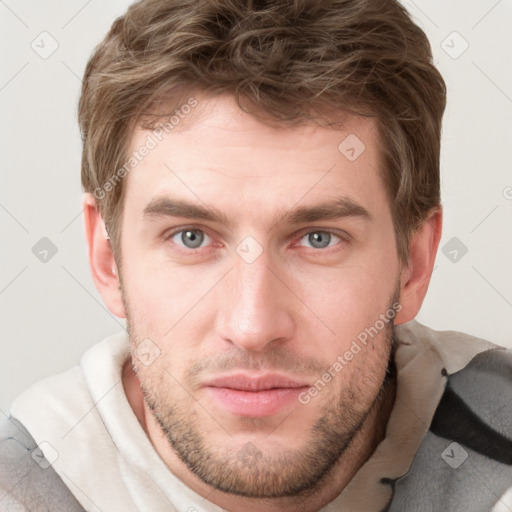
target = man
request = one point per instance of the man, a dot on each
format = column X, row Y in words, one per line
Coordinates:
column 262, row 205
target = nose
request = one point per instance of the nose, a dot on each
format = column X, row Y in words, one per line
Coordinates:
column 256, row 310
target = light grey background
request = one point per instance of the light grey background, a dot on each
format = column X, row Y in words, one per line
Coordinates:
column 51, row 312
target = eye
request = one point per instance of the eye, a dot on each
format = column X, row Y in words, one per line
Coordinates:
column 189, row 238
column 320, row 239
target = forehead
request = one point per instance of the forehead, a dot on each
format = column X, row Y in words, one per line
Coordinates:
column 217, row 154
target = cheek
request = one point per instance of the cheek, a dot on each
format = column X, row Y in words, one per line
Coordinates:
column 163, row 297
column 348, row 299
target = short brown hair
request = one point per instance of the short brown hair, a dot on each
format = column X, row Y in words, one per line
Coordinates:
column 283, row 60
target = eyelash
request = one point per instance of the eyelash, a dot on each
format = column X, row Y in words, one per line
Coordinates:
column 343, row 239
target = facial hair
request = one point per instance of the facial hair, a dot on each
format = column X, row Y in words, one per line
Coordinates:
column 253, row 471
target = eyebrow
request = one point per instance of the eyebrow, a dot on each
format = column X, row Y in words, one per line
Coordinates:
column 332, row 210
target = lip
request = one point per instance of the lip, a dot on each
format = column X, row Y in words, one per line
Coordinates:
column 255, row 395
column 247, row 382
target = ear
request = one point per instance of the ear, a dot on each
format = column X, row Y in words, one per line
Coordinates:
column 101, row 258
column 415, row 277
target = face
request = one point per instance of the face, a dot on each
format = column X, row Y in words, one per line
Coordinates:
column 259, row 273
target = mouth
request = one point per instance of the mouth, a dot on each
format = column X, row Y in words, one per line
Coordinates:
column 255, row 395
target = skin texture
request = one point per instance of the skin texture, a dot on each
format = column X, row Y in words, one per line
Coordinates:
column 293, row 310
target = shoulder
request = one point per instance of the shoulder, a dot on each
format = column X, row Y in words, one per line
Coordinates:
column 27, row 480
column 476, row 407
column 454, row 348
column 465, row 459
column 43, row 414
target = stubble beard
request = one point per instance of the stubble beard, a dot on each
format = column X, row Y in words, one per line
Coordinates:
column 252, row 471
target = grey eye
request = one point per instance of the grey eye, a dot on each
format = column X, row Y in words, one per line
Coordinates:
column 320, row 239
column 189, row 238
